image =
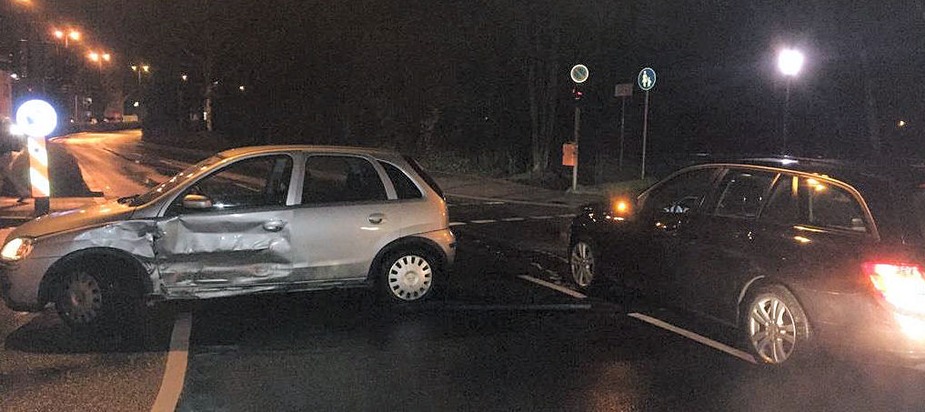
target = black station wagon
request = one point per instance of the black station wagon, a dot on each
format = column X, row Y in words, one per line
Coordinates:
column 797, row 254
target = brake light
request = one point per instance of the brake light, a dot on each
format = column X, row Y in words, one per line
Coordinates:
column 902, row 285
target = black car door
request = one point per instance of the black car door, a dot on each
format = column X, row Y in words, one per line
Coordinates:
column 717, row 251
column 665, row 210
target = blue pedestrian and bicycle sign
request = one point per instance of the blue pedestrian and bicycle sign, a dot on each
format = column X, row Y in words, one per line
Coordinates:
column 646, row 79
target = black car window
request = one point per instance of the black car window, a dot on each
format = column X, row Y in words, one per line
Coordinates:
column 681, row 193
column 830, row 206
column 249, row 183
column 742, row 192
column 335, row 179
column 782, row 207
column 404, row 187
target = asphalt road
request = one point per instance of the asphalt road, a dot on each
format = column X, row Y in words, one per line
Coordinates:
column 502, row 334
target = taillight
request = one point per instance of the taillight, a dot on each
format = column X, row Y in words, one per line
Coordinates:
column 902, row 285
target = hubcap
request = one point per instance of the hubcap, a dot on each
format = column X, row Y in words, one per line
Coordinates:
column 582, row 264
column 82, row 298
column 410, row 277
column 772, row 330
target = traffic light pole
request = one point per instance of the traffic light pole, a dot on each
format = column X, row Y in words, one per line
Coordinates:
column 575, row 168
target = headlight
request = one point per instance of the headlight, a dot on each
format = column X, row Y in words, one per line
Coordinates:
column 16, row 249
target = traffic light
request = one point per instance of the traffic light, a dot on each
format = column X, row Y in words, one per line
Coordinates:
column 576, row 93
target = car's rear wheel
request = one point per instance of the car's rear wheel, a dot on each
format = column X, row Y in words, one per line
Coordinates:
column 776, row 329
column 408, row 276
column 582, row 263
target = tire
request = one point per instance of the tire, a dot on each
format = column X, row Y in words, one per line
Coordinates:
column 408, row 276
column 87, row 297
column 776, row 329
column 582, row 264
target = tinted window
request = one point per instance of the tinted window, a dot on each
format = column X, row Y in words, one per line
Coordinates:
column 424, row 175
column 742, row 192
column 681, row 193
column 332, row 179
column 831, row 206
column 404, row 187
column 782, row 207
column 254, row 182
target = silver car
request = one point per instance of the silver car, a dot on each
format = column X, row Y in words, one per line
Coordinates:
column 247, row 220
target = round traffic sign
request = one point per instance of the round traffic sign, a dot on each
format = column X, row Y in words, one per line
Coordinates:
column 36, row 118
column 580, row 73
column 646, row 79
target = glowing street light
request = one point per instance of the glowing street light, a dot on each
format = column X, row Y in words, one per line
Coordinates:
column 139, row 69
column 789, row 62
column 67, row 36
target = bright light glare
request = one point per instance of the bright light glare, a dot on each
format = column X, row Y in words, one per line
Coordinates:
column 74, row 35
column 93, row 56
column 913, row 327
column 16, row 249
column 59, row 34
column 901, row 123
column 106, row 56
column 901, row 285
column 790, row 62
column 15, row 130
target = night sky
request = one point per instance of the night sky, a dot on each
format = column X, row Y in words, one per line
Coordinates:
column 344, row 72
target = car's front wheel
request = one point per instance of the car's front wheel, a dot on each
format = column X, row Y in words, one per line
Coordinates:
column 582, row 264
column 408, row 276
column 776, row 328
column 88, row 297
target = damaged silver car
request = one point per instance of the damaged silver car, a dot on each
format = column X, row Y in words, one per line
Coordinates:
column 247, row 220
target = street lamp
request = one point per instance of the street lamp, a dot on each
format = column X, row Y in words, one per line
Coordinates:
column 99, row 58
column 70, row 35
column 789, row 62
column 139, row 69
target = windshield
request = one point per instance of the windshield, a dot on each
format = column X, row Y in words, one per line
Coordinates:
column 175, row 181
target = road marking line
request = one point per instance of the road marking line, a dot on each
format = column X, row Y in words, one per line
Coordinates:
column 525, row 307
column 570, row 215
column 513, row 219
column 695, row 337
column 457, row 223
column 496, row 202
column 483, row 221
column 553, row 286
column 175, row 372
column 540, row 217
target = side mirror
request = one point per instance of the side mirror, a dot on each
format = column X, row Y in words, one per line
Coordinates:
column 196, row 202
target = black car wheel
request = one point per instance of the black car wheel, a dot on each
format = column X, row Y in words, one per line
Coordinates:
column 88, row 297
column 581, row 261
column 776, row 328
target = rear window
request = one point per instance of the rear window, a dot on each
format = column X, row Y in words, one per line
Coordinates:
column 404, row 187
column 420, row 171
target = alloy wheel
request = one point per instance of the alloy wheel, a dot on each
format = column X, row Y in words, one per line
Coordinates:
column 582, row 263
column 772, row 330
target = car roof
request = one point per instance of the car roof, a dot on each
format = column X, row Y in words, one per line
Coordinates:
column 248, row 150
column 901, row 172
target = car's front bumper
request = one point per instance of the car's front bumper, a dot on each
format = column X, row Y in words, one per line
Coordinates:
column 20, row 283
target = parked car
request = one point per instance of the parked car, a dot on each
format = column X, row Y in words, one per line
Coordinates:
column 797, row 254
column 247, row 220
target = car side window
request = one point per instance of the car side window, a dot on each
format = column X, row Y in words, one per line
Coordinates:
column 830, row 206
column 742, row 192
column 782, row 206
column 682, row 193
column 337, row 179
column 250, row 183
column 404, row 187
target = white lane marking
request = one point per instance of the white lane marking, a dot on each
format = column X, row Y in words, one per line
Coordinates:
column 553, row 286
column 695, row 337
column 496, row 202
column 540, row 217
column 513, row 219
column 516, row 202
column 526, row 307
column 569, row 215
column 457, row 223
column 483, row 221
column 175, row 372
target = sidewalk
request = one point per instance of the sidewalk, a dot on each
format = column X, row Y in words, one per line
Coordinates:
column 491, row 189
column 13, row 213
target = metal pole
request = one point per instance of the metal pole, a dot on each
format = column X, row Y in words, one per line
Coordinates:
column 645, row 127
column 575, row 168
column 786, row 117
column 622, row 132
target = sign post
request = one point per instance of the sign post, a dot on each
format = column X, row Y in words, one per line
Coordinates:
column 37, row 119
column 579, row 74
column 646, row 81
column 623, row 90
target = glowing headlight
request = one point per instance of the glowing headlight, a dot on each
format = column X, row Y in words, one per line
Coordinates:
column 16, row 249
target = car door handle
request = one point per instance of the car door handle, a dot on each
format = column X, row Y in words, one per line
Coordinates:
column 274, row 225
column 376, row 218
